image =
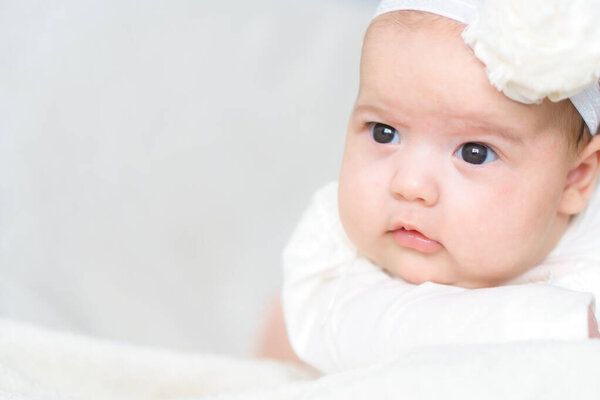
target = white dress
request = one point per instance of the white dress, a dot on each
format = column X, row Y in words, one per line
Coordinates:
column 343, row 312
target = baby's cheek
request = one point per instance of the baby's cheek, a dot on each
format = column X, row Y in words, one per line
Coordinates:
column 352, row 211
column 360, row 206
column 484, row 232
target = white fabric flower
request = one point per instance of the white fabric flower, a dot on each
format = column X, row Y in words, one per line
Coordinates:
column 538, row 48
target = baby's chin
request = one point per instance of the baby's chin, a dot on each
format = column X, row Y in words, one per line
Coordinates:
column 467, row 284
column 480, row 284
column 418, row 277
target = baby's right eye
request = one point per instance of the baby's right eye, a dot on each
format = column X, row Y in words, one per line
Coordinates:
column 383, row 133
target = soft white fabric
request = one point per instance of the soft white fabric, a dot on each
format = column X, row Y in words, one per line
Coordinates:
column 344, row 312
column 532, row 370
column 531, row 49
column 38, row 364
column 588, row 104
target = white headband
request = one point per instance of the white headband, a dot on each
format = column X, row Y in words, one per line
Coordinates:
column 521, row 80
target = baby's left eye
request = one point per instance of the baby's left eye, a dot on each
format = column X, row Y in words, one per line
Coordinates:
column 383, row 133
column 476, row 153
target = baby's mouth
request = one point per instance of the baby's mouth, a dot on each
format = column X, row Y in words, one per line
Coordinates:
column 415, row 240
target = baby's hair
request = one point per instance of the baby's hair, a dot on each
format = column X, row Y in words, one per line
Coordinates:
column 572, row 123
column 584, row 133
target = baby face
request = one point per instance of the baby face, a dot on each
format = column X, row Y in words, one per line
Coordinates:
column 445, row 179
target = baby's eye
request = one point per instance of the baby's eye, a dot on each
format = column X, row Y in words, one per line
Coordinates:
column 382, row 133
column 475, row 153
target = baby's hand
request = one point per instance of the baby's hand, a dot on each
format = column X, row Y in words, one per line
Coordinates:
column 592, row 324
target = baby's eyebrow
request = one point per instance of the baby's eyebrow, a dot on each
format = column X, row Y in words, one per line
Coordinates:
column 371, row 110
column 508, row 133
column 366, row 109
column 503, row 131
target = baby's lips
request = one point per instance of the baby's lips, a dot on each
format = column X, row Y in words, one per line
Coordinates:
column 413, row 239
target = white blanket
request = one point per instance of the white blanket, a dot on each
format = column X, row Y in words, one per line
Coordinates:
column 39, row 364
column 36, row 363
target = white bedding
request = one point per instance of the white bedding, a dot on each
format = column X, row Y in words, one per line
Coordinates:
column 36, row 363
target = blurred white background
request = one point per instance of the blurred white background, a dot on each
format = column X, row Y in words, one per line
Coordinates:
column 155, row 156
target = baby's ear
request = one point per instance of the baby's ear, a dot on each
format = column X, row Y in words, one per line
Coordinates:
column 581, row 179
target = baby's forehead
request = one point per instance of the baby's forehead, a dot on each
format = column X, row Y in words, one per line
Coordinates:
column 561, row 113
column 390, row 30
column 384, row 44
column 530, row 52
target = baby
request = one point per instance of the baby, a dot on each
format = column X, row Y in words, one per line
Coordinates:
column 461, row 213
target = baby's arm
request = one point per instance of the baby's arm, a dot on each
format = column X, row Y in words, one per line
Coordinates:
column 592, row 324
column 344, row 312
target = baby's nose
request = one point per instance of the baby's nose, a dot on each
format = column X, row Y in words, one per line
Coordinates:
column 415, row 181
